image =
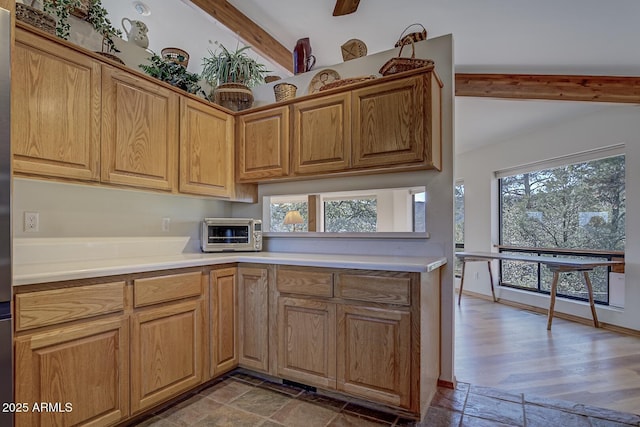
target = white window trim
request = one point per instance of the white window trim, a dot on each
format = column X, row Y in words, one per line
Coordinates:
column 581, row 157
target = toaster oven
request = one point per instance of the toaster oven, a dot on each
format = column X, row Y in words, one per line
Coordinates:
column 231, row 235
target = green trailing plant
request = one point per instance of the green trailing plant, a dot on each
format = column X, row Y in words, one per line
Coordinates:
column 97, row 17
column 225, row 66
column 173, row 73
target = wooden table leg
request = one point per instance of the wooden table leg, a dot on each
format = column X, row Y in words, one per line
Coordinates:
column 464, row 264
column 491, row 281
column 552, row 302
column 587, row 281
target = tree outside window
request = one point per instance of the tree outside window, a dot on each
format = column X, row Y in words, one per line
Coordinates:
column 577, row 206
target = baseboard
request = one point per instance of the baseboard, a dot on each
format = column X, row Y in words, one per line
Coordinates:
column 446, row 384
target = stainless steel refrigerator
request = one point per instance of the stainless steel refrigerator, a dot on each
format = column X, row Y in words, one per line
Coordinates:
column 6, row 344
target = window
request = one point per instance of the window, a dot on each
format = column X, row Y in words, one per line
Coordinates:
column 458, row 225
column 400, row 210
column 578, row 207
column 419, row 211
column 280, row 206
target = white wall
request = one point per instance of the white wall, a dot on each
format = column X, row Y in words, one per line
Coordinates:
column 71, row 210
column 439, row 188
column 611, row 125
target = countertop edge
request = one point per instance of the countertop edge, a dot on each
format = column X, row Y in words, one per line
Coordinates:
column 58, row 272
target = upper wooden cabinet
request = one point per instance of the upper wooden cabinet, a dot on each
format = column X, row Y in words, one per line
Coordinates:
column 206, row 150
column 139, row 131
column 387, row 123
column 322, row 134
column 392, row 123
column 263, row 145
column 398, row 123
column 55, row 110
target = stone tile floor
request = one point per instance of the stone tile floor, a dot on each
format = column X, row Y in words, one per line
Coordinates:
column 241, row 400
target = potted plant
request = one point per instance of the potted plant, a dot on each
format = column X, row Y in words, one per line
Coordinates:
column 173, row 73
column 91, row 11
column 232, row 74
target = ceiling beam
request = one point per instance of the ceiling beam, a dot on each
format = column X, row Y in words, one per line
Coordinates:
column 252, row 34
column 550, row 87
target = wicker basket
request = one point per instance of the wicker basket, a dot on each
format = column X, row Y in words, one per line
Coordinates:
column 416, row 36
column 284, row 91
column 400, row 64
column 353, row 49
column 176, row 55
column 346, row 82
column 35, row 17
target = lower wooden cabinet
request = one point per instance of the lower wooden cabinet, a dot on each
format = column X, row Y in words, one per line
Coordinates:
column 374, row 354
column 114, row 350
column 306, row 341
column 81, row 371
column 224, row 321
column 359, row 332
column 253, row 296
column 167, row 352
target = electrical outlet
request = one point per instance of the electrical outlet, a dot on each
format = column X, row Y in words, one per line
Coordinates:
column 166, row 224
column 31, row 222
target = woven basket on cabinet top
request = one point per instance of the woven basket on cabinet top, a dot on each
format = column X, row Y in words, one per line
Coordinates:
column 400, row 64
column 176, row 55
column 284, row 91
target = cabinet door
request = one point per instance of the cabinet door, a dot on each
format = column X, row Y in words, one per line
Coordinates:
column 263, row 145
column 224, row 321
column 82, row 371
column 55, row 110
column 322, row 134
column 388, row 123
column 373, row 350
column 167, row 352
column 139, row 132
column 253, row 288
column 206, row 150
column 306, row 341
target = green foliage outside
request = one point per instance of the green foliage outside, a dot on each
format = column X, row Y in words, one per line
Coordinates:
column 580, row 206
column 353, row 216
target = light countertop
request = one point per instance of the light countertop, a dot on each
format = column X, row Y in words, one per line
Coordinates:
column 43, row 272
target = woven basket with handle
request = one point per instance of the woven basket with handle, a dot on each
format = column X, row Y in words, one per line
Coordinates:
column 400, row 64
column 415, row 36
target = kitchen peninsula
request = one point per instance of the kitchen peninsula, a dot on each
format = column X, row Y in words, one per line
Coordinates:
column 143, row 330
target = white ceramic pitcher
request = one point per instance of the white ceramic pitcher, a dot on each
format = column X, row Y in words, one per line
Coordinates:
column 137, row 33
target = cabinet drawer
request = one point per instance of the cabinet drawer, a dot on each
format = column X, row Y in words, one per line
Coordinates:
column 155, row 290
column 388, row 289
column 44, row 308
column 308, row 281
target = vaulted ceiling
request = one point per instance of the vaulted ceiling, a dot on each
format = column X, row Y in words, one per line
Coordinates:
column 569, row 37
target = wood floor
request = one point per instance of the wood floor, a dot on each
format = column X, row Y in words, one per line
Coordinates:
column 510, row 349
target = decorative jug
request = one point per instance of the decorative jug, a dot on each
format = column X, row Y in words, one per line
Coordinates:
column 137, row 33
column 303, row 60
